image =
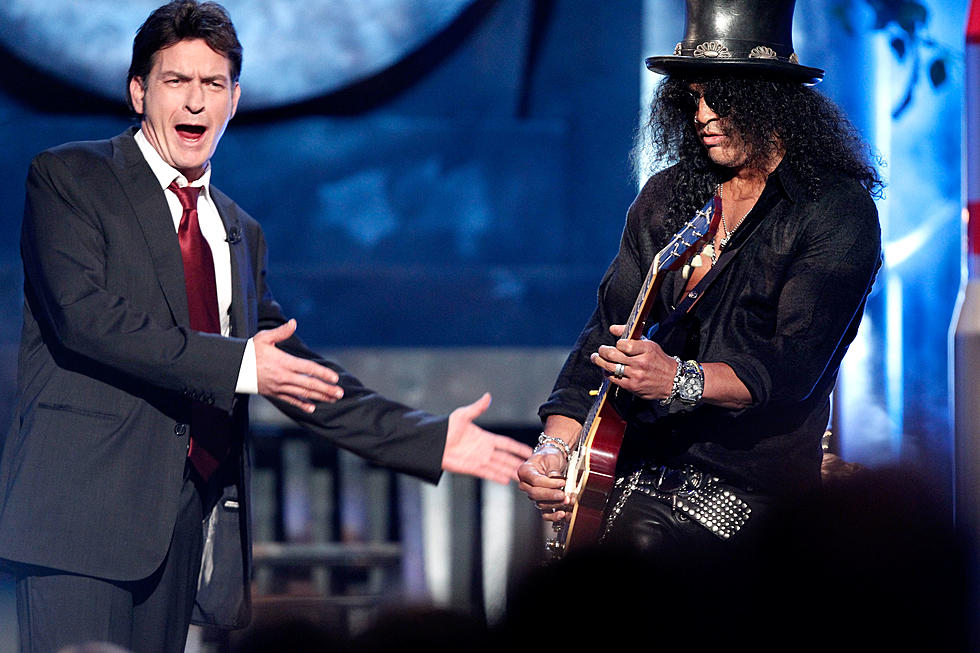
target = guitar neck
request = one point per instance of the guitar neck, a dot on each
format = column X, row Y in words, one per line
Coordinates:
column 674, row 254
column 670, row 257
column 592, row 465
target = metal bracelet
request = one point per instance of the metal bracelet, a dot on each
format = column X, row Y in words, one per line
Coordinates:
column 677, row 383
column 544, row 439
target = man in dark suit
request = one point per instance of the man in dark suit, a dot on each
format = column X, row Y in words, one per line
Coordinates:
column 147, row 323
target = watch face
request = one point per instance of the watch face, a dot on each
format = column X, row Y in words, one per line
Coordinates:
column 691, row 388
column 691, row 385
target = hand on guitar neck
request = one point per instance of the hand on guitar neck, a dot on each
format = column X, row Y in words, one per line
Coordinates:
column 648, row 373
column 646, row 370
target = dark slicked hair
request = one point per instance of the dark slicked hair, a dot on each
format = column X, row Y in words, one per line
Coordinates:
column 177, row 21
column 767, row 114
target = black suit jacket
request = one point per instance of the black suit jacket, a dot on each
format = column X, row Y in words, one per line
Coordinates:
column 108, row 368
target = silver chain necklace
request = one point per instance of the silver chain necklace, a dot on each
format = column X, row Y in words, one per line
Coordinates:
column 724, row 224
column 709, row 247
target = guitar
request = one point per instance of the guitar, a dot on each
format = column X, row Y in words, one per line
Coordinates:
column 592, row 464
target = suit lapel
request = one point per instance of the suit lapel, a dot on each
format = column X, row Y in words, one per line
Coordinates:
column 150, row 210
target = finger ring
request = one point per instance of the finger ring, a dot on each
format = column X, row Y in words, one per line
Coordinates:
column 620, row 370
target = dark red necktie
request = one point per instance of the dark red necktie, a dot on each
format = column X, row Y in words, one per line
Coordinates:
column 210, row 428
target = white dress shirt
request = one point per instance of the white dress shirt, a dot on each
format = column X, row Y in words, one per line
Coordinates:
column 214, row 232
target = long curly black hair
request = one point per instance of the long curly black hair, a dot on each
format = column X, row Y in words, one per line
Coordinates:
column 767, row 114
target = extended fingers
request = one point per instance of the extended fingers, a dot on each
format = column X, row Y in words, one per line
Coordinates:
column 316, row 371
column 309, row 380
column 302, row 383
column 309, row 389
column 501, row 471
column 305, row 406
column 508, row 455
column 512, row 447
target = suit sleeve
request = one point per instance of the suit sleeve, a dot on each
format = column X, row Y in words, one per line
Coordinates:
column 69, row 249
column 364, row 422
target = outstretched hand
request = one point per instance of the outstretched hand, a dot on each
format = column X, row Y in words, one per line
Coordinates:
column 477, row 452
column 295, row 380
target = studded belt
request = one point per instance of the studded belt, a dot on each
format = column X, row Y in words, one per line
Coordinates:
column 691, row 493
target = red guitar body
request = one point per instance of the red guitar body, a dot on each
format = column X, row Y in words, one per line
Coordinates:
column 591, row 483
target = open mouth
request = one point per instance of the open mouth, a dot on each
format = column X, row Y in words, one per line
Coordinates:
column 192, row 132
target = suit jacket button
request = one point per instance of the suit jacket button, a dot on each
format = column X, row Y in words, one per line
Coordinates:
column 180, row 429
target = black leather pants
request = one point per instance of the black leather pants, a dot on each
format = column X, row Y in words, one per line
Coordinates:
column 647, row 521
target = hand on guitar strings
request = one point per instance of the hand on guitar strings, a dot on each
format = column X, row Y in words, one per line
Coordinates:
column 542, row 476
column 639, row 366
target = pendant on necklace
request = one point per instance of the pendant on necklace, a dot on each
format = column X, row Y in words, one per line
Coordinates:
column 709, row 251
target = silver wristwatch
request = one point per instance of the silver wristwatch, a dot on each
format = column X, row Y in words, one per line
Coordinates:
column 689, row 383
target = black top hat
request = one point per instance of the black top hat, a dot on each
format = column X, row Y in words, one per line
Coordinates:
column 737, row 36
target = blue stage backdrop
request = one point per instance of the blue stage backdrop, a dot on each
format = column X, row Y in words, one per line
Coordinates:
column 455, row 174
column 462, row 187
column 897, row 69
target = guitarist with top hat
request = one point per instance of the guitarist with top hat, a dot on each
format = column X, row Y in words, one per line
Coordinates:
column 721, row 394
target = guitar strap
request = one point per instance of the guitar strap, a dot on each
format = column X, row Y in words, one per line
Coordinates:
column 691, row 298
column 661, row 329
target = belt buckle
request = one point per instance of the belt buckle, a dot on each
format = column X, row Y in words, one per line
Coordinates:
column 679, row 480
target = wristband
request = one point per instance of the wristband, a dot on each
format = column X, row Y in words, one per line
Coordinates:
column 688, row 386
column 544, row 439
column 676, row 385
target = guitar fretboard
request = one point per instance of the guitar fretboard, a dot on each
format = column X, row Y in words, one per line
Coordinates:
column 675, row 250
column 679, row 244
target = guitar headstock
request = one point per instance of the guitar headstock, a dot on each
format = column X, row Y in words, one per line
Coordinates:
column 680, row 247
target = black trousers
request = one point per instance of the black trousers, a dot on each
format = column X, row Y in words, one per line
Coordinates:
column 57, row 609
column 649, row 525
